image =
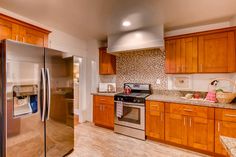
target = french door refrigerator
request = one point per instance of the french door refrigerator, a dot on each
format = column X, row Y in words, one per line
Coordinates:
column 36, row 109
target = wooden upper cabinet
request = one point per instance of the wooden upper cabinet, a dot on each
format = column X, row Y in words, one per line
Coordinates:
column 14, row 29
column 107, row 62
column 181, row 55
column 5, row 29
column 217, row 52
column 203, row 52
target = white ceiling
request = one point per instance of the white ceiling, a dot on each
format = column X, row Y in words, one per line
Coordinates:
column 98, row 18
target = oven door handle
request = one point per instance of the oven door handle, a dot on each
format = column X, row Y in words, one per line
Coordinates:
column 132, row 104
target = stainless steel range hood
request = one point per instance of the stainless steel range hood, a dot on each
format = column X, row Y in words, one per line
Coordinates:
column 146, row 38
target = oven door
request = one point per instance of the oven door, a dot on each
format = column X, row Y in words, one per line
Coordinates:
column 133, row 116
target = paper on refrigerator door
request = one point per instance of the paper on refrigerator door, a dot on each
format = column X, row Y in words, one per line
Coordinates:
column 119, row 109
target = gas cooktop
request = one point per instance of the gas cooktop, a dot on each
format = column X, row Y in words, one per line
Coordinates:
column 138, row 93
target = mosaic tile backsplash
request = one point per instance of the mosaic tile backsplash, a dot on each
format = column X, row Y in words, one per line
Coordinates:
column 144, row 66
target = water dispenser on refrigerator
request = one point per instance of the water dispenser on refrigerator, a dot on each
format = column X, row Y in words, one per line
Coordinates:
column 25, row 99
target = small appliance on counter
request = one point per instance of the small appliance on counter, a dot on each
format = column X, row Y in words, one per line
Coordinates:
column 130, row 110
column 107, row 87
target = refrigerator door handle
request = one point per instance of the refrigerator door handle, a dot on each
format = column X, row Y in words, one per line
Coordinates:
column 48, row 93
column 44, row 94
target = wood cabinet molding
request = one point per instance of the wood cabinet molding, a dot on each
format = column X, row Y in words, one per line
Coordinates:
column 14, row 20
column 14, row 29
column 201, row 33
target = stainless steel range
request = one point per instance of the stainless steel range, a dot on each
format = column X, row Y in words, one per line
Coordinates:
column 130, row 110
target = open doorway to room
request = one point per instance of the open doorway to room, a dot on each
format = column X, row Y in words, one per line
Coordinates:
column 76, row 82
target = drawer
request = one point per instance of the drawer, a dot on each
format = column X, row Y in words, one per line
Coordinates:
column 225, row 114
column 155, row 106
column 104, row 99
column 190, row 110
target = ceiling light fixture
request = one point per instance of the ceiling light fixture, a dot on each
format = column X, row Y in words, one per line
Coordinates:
column 126, row 23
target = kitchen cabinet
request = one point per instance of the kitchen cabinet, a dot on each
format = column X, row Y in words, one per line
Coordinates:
column 225, row 125
column 175, row 128
column 107, row 62
column 181, row 55
column 5, row 29
column 217, row 52
column 190, row 125
column 155, row 120
column 14, row 29
column 202, row 52
column 103, row 111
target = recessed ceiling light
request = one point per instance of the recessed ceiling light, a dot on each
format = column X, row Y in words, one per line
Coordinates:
column 126, row 23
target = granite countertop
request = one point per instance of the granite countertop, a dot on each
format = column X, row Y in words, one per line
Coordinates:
column 103, row 94
column 177, row 99
column 230, row 145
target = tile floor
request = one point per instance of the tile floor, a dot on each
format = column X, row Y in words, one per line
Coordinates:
column 93, row 141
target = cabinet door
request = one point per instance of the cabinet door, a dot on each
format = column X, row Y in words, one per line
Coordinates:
column 155, row 124
column 5, row 29
column 201, row 133
column 172, row 61
column 98, row 114
column 176, row 128
column 188, row 55
column 103, row 61
column 217, row 52
column 223, row 128
column 107, row 63
column 109, row 114
column 112, row 64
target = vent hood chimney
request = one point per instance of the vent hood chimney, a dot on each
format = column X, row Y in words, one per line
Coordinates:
column 146, row 38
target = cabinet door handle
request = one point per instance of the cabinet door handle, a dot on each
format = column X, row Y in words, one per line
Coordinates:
column 161, row 116
column 218, row 126
column 230, row 115
column 184, row 121
column 16, row 37
column 201, row 67
column 190, row 122
column 100, row 107
column 188, row 110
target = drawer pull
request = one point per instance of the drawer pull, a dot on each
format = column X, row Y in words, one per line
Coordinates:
column 102, row 99
column 190, row 121
column 218, row 126
column 188, row 110
column 161, row 116
column 184, row 121
column 230, row 115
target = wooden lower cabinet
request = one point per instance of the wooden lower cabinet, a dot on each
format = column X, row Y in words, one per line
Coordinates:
column 175, row 128
column 201, row 133
column 223, row 128
column 103, row 111
column 155, row 120
column 190, row 126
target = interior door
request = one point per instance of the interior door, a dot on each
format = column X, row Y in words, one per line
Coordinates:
column 23, row 107
column 60, row 114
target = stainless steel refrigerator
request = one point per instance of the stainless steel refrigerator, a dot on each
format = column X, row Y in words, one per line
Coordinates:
column 36, row 106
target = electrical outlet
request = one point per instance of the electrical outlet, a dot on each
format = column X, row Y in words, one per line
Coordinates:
column 158, row 81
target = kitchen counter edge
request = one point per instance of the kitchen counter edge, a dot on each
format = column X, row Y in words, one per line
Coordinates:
column 175, row 99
